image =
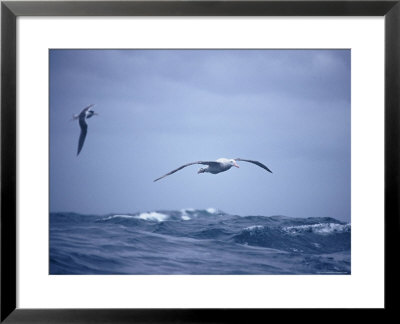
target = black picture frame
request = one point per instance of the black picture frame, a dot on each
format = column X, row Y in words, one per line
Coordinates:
column 10, row 10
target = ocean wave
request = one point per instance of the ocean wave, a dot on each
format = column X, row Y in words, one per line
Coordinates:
column 119, row 216
column 253, row 228
column 184, row 213
column 212, row 210
column 309, row 238
column 196, row 241
column 191, row 213
column 153, row 216
column 322, row 229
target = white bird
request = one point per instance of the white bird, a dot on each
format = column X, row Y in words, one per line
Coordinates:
column 217, row 166
column 87, row 112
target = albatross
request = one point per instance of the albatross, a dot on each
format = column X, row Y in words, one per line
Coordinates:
column 217, row 166
column 87, row 112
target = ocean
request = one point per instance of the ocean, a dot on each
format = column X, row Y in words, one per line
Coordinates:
column 197, row 242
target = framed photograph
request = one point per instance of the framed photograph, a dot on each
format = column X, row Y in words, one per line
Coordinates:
column 163, row 159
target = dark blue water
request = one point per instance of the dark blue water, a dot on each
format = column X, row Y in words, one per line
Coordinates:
column 197, row 242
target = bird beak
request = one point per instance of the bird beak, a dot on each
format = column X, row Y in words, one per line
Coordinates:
column 235, row 164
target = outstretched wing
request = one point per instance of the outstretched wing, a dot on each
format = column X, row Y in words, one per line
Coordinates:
column 254, row 162
column 84, row 127
column 84, row 110
column 185, row 165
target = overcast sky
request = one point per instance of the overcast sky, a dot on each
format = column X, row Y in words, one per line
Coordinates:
column 159, row 109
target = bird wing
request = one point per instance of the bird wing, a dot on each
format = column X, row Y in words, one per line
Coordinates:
column 254, row 162
column 84, row 110
column 82, row 136
column 185, row 165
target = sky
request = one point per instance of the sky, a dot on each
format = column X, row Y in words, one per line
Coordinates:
column 160, row 109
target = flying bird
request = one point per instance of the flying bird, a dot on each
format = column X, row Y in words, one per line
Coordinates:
column 85, row 113
column 215, row 167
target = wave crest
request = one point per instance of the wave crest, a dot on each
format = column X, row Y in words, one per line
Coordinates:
column 322, row 229
column 309, row 238
column 153, row 216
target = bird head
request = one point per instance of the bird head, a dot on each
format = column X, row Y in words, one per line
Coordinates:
column 233, row 163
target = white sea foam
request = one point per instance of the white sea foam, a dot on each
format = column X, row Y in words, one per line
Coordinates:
column 254, row 227
column 153, row 216
column 252, row 230
column 322, row 228
column 119, row 216
column 212, row 210
column 184, row 214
